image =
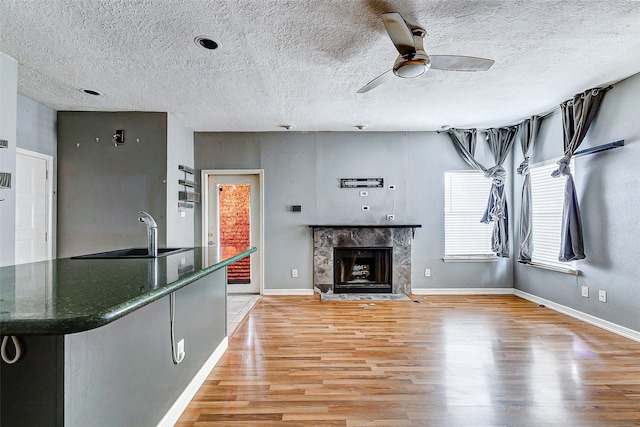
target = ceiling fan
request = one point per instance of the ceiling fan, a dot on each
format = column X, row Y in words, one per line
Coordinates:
column 413, row 61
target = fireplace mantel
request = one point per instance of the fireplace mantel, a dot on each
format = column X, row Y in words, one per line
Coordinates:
column 350, row 226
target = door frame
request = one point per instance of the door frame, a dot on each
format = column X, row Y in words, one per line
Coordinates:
column 204, row 180
column 49, row 196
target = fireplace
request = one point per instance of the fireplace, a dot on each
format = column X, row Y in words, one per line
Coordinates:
column 393, row 240
column 362, row 270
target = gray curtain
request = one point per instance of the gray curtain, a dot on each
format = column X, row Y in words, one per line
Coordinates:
column 528, row 133
column 500, row 142
column 465, row 142
column 577, row 115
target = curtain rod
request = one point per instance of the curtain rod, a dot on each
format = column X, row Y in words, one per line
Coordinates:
column 599, row 148
column 546, row 113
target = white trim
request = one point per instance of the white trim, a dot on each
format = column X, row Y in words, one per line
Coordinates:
column 462, row 291
column 178, row 407
column 550, row 267
column 592, row 320
column 290, row 292
column 470, row 258
column 49, row 197
column 204, row 184
column 587, row 318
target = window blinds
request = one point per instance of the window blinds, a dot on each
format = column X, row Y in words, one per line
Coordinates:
column 465, row 199
column 547, row 197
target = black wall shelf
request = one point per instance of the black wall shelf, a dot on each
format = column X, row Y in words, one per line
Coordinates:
column 186, row 198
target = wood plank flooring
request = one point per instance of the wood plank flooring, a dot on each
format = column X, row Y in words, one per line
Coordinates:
column 442, row 361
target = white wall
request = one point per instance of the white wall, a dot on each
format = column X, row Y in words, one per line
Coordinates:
column 608, row 185
column 179, row 152
column 8, row 120
column 305, row 169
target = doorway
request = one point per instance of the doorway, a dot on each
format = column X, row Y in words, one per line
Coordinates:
column 34, row 199
column 233, row 216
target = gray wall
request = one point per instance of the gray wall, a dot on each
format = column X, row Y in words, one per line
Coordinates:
column 608, row 187
column 37, row 132
column 8, row 112
column 305, row 168
column 130, row 359
column 102, row 188
column 179, row 152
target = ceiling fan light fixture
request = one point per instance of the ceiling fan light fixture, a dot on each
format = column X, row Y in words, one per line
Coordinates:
column 410, row 68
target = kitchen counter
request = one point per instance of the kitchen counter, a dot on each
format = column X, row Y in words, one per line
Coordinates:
column 73, row 295
column 97, row 337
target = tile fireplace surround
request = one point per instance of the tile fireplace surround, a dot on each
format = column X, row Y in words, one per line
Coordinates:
column 328, row 237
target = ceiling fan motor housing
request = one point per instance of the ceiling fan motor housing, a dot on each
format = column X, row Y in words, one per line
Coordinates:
column 412, row 66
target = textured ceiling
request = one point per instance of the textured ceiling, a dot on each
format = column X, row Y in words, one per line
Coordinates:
column 301, row 62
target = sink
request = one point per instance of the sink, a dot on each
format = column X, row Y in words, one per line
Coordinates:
column 130, row 253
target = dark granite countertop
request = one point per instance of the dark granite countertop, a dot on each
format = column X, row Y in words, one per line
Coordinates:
column 65, row 296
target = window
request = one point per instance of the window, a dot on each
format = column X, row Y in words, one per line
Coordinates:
column 465, row 199
column 547, row 198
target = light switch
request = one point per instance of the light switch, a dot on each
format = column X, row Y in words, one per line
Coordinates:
column 602, row 296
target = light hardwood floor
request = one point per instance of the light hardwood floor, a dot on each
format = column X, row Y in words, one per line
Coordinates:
column 443, row 361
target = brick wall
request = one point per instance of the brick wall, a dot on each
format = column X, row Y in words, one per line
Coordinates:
column 235, row 226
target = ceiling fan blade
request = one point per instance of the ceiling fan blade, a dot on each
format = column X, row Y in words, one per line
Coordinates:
column 399, row 32
column 459, row 63
column 376, row 82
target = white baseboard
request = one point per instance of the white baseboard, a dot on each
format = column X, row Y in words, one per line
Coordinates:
column 592, row 320
column 462, row 291
column 174, row 413
column 284, row 292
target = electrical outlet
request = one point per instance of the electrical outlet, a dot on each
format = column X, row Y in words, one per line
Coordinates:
column 180, row 349
column 364, row 193
column 365, row 207
column 294, row 272
column 427, row 272
column 390, row 217
column 585, row 291
column 602, row 296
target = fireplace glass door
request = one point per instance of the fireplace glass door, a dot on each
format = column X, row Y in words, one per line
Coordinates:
column 362, row 270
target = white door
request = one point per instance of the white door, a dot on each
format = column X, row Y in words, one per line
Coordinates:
column 32, row 207
column 234, row 219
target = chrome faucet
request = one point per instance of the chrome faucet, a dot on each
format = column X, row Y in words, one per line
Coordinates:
column 152, row 233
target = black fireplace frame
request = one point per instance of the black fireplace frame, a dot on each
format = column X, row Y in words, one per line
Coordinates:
column 363, row 286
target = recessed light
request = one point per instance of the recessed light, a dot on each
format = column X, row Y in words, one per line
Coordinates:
column 91, row 92
column 205, row 42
